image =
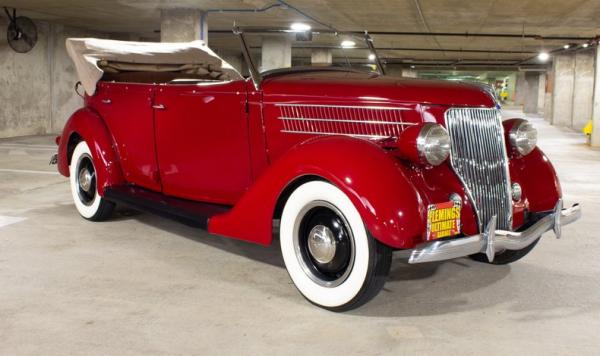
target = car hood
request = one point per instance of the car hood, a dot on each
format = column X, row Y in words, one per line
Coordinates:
column 365, row 87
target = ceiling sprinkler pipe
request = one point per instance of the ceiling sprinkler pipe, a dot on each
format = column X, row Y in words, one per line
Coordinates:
column 280, row 3
column 206, row 12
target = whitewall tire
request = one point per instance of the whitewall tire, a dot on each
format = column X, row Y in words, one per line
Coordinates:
column 328, row 252
column 84, row 190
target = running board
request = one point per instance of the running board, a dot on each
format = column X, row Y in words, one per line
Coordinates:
column 195, row 214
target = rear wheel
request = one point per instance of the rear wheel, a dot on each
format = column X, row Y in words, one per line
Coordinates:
column 84, row 188
column 330, row 256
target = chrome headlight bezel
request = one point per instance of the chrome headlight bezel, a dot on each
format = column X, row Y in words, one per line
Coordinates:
column 433, row 144
column 523, row 137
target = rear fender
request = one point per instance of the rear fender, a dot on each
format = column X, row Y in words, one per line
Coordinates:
column 87, row 125
column 389, row 204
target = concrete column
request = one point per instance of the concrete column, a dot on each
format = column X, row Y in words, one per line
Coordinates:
column 541, row 93
column 321, row 57
column 182, row 25
column 596, row 106
column 531, row 94
column 563, row 68
column 583, row 91
column 409, row 73
column 276, row 53
column 548, row 99
column 235, row 61
column 393, row 70
column 520, row 89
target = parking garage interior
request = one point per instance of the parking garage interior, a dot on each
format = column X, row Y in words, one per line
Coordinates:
column 141, row 284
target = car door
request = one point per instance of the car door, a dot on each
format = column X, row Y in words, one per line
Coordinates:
column 202, row 140
column 127, row 111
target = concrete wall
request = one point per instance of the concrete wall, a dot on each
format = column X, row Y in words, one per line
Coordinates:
column 595, row 139
column 25, row 82
column 37, row 93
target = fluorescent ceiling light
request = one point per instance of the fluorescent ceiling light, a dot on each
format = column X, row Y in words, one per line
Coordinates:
column 348, row 44
column 371, row 57
column 300, row 27
column 585, row 45
column 543, row 56
column 566, row 46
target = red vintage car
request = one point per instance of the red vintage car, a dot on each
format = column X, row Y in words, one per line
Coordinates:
column 342, row 166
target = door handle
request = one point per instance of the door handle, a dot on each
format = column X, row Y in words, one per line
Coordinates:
column 106, row 101
column 158, row 106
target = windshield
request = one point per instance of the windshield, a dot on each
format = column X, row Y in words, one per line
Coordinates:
column 276, row 51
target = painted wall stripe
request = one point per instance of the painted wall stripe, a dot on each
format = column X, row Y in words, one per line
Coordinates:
column 8, row 220
column 28, row 171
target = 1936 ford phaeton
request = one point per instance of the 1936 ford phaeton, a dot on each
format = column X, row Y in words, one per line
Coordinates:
column 343, row 166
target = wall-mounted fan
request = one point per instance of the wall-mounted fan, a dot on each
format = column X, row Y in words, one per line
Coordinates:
column 22, row 33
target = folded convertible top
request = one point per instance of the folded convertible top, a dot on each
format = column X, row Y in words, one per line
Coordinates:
column 93, row 57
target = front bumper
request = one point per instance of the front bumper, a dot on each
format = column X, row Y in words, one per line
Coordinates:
column 492, row 241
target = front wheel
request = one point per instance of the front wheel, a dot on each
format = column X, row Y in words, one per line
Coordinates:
column 329, row 255
column 84, row 187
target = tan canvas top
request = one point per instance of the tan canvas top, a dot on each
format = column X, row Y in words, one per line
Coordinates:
column 93, row 57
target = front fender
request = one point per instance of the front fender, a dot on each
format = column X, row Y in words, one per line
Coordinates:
column 537, row 177
column 389, row 204
column 90, row 127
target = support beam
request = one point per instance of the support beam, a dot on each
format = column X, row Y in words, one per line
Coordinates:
column 596, row 110
column 276, row 53
column 321, row 57
column 563, row 69
column 182, row 25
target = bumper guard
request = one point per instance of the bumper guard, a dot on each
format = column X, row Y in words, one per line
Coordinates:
column 492, row 240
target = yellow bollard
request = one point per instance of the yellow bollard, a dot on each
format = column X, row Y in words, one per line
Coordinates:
column 587, row 131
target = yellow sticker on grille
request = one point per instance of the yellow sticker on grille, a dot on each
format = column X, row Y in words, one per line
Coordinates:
column 443, row 220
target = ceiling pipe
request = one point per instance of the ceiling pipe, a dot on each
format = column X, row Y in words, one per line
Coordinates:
column 310, row 17
column 279, row 4
column 410, row 49
column 205, row 13
column 428, row 34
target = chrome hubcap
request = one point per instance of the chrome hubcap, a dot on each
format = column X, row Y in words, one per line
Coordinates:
column 85, row 180
column 321, row 244
column 324, row 244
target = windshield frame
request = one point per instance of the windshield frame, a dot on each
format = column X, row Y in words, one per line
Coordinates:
column 257, row 77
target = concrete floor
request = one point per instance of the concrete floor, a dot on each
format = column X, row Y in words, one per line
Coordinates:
column 144, row 285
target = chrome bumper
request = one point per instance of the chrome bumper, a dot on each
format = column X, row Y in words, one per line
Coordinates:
column 492, row 240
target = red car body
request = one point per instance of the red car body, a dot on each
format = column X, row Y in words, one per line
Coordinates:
column 228, row 143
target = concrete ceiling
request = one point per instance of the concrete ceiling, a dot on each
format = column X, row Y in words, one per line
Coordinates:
column 572, row 18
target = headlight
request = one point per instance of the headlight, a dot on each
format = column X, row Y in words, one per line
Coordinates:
column 523, row 137
column 433, row 144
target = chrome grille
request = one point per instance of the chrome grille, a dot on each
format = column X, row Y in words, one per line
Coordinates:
column 479, row 158
column 372, row 122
